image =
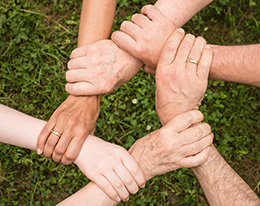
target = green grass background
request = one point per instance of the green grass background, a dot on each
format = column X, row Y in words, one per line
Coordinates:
column 37, row 38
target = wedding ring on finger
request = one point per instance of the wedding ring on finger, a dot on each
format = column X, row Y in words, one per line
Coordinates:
column 56, row 133
column 192, row 61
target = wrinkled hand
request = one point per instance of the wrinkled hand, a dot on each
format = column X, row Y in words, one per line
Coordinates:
column 99, row 68
column 145, row 36
column 74, row 119
column 176, row 145
column 180, row 84
column 111, row 167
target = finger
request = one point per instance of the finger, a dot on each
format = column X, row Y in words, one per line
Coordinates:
column 52, row 141
column 107, row 187
column 124, row 41
column 61, row 146
column 44, row 135
column 134, row 170
column 117, row 184
column 127, row 179
column 195, row 54
column 130, row 29
column 140, row 20
column 81, row 88
column 149, row 70
column 171, row 46
column 152, row 12
column 194, row 134
column 196, row 160
column 185, row 120
column 73, row 150
column 205, row 63
column 77, row 63
column 198, row 146
column 79, row 52
column 79, row 75
column 184, row 50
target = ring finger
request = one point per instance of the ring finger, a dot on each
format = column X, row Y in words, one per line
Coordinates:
column 195, row 54
column 61, row 146
column 52, row 140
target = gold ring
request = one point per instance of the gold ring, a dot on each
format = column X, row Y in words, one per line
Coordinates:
column 192, row 61
column 56, row 133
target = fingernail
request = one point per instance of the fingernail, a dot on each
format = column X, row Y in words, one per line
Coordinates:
column 207, row 46
column 181, row 30
column 39, row 151
column 142, row 186
column 118, row 199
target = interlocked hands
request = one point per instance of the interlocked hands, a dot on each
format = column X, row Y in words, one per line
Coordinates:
column 180, row 86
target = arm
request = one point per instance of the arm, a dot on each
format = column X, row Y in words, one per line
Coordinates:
column 76, row 116
column 221, row 184
column 239, row 64
column 96, row 20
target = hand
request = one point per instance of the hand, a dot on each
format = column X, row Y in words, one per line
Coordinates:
column 180, row 84
column 145, row 36
column 111, row 167
column 74, row 119
column 99, row 68
column 176, row 145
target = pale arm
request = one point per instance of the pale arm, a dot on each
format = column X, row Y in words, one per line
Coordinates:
column 239, row 64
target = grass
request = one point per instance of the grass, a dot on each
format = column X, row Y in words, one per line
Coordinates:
column 36, row 40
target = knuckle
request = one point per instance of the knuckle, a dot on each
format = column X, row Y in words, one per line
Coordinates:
column 139, row 50
column 197, row 146
column 81, row 131
column 71, row 123
column 169, row 46
column 118, row 184
column 128, row 180
column 197, row 132
column 59, row 151
column 70, row 156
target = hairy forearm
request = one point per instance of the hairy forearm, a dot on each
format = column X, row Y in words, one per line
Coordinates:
column 221, row 184
column 96, row 20
column 179, row 12
column 239, row 64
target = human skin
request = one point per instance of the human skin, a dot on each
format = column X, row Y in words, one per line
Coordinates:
column 216, row 177
column 174, row 146
column 76, row 117
column 80, row 75
column 147, row 32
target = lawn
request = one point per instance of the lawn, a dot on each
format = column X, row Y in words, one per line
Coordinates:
column 37, row 38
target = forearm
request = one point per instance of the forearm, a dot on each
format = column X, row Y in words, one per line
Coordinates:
column 96, row 20
column 91, row 194
column 221, row 184
column 239, row 64
column 179, row 12
column 22, row 130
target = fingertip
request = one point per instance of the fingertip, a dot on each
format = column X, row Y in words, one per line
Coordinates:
column 180, row 30
column 39, row 151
